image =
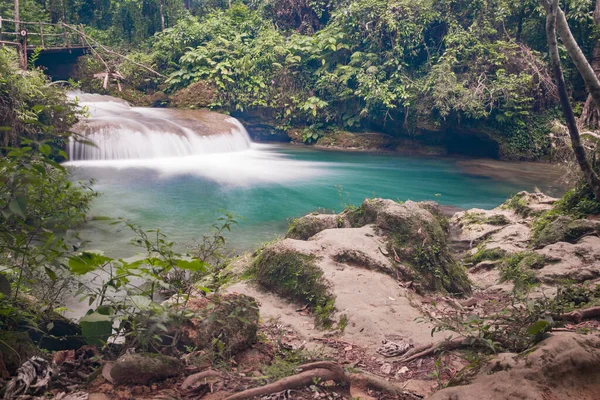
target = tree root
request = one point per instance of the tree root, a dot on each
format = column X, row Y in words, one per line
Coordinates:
column 579, row 315
column 427, row 350
column 324, row 371
column 192, row 379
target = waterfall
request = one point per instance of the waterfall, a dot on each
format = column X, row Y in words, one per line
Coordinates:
column 116, row 131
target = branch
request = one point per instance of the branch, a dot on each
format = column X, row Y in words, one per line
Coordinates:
column 109, row 51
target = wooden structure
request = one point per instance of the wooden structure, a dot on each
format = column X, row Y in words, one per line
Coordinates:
column 28, row 37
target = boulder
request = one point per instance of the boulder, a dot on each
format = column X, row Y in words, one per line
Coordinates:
column 305, row 227
column 564, row 366
column 418, row 236
column 142, row 369
column 224, row 324
column 15, row 349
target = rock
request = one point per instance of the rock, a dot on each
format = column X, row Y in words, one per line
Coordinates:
column 418, row 235
column 564, row 366
column 142, row 369
column 198, row 95
column 305, row 227
column 528, row 204
column 355, row 141
column 224, row 324
column 16, row 348
column 572, row 262
column 553, row 232
column 386, row 369
column 565, row 229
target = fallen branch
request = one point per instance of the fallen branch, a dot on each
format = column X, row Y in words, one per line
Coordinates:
column 109, row 51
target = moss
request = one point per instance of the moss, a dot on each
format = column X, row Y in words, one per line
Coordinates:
column 359, row 258
column 295, row 276
column 560, row 223
column 15, row 349
column 518, row 204
column 499, row 220
column 484, row 254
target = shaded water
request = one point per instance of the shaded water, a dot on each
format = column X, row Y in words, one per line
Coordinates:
column 183, row 193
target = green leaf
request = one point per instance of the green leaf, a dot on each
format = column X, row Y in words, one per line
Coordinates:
column 538, row 327
column 51, row 274
column 194, row 265
column 87, row 262
column 45, row 149
column 18, row 205
column 96, row 328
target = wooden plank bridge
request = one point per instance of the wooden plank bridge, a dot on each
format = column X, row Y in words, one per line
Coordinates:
column 44, row 37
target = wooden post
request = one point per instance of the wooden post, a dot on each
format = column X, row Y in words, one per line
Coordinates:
column 24, row 50
column 17, row 16
column 81, row 38
column 0, row 27
column 42, row 33
column 66, row 36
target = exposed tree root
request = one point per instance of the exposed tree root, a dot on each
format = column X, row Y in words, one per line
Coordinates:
column 324, row 371
column 427, row 350
column 192, row 379
column 579, row 315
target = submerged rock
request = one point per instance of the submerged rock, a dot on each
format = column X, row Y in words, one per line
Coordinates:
column 142, row 369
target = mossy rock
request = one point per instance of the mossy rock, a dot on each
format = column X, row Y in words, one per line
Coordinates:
column 295, row 276
column 306, row 227
column 224, row 324
column 16, row 348
column 142, row 369
column 418, row 235
column 563, row 228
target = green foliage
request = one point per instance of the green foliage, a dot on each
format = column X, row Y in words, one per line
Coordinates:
column 517, row 268
column 296, row 276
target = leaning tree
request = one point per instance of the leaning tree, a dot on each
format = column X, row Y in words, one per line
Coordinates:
column 556, row 21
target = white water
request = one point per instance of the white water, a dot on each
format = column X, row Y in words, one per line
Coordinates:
column 179, row 142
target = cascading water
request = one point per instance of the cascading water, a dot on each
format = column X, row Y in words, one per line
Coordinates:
column 121, row 132
column 179, row 142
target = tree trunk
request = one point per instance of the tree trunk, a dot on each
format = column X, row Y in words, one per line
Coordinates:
column 591, row 114
column 553, row 16
column 162, row 15
column 582, row 64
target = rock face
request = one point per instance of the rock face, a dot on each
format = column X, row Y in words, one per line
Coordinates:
column 358, row 269
column 142, row 369
column 564, row 366
column 197, row 95
column 224, row 324
column 562, row 249
column 418, row 237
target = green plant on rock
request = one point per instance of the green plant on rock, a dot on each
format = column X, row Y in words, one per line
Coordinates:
column 296, row 276
column 517, row 268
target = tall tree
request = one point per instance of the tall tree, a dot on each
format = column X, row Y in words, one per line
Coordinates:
column 591, row 113
column 553, row 18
